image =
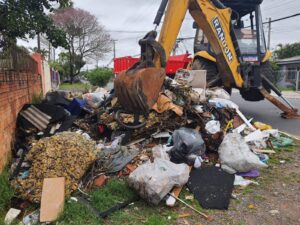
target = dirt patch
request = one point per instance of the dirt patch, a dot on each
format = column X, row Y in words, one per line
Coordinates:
column 275, row 201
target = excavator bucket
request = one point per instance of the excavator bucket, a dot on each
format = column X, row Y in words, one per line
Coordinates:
column 138, row 90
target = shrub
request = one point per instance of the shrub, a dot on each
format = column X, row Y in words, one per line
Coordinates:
column 100, row 76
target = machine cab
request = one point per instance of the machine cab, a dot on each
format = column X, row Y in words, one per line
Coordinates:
column 248, row 28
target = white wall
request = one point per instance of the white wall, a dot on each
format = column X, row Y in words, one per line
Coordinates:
column 46, row 78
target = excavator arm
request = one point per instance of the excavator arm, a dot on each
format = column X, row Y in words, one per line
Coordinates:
column 215, row 21
column 138, row 88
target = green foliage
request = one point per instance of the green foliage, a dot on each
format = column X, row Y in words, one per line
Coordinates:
column 6, row 192
column 37, row 98
column 287, row 51
column 63, row 65
column 99, row 76
column 23, row 18
column 75, row 87
column 275, row 66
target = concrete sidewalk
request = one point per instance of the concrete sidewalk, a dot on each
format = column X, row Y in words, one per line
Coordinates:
column 290, row 94
column 286, row 94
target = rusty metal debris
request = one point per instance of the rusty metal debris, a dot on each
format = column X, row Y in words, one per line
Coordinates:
column 138, row 91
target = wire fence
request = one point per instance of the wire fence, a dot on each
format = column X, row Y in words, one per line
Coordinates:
column 287, row 79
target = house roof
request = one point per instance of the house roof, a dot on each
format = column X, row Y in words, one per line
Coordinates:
column 291, row 60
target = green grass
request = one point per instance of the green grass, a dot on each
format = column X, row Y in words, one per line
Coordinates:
column 75, row 87
column 286, row 88
column 116, row 191
column 6, row 194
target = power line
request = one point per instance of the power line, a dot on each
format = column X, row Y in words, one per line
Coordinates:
column 276, row 20
column 127, row 31
column 283, row 18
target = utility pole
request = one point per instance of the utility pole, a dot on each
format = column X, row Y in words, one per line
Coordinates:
column 39, row 43
column 114, row 43
column 54, row 57
column 49, row 55
column 269, row 34
column 297, row 80
column 175, row 47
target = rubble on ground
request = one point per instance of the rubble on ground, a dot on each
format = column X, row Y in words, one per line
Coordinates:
column 190, row 132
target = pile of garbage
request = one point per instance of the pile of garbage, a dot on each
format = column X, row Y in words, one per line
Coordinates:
column 192, row 136
column 56, row 156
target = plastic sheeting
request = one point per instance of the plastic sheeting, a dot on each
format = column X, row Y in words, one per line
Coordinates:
column 153, row 181
column 236, row 156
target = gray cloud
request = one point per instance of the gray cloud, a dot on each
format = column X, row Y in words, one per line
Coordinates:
column 138, row 15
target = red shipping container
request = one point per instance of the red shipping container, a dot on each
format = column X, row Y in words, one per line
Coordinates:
column 177, row 62
column 174, row 63
column 124, row 63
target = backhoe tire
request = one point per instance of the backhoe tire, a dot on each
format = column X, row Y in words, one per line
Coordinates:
column 211, row 68
column 253, row 94
column 204, row 64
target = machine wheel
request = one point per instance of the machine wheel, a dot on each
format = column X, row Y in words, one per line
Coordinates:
column 211, row 68
column 253, row 94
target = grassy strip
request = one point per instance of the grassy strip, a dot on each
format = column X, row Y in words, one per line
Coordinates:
column 75, row 87
column 6, row 194
column 114, row 192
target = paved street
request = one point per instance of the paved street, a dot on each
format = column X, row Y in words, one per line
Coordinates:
column 266, row 112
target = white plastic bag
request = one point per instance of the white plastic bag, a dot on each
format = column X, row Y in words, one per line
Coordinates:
column 217, row 93
column 95, row 99
column 240, row 181
column 161, row 152
column 213, row 127
column 153, row 181
column 236, row 156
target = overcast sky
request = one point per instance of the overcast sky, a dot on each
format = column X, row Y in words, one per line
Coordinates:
column 128, row 20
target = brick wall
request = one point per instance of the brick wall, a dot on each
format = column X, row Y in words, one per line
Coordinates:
column 16, row 89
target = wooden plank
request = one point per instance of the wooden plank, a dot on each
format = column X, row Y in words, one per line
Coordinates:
column 53, row 198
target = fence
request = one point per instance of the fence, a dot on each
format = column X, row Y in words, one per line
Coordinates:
column 17, row 60
column 19, row 82
column 287, row 79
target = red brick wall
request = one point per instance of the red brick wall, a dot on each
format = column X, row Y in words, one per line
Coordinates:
column 16, row 89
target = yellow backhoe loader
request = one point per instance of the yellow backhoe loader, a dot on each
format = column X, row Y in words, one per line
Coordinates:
column 234, row 56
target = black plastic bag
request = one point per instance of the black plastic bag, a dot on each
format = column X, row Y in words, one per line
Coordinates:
column 188, row 145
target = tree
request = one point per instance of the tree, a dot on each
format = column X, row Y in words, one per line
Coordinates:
column 287, row 51
column 26, row 18
column 99, row 76
column 86, row 38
